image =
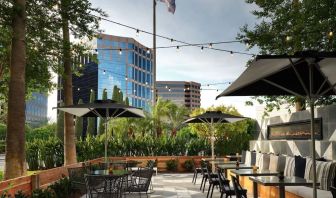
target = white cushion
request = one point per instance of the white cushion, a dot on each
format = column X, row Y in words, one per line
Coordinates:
column 248, row 158
column 264, row 161
column 307, row 192
column 273, row 165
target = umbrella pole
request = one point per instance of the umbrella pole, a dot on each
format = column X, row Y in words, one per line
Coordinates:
column 212, row 146
column 312, row 131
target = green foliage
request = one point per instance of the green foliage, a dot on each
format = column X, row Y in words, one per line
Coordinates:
column 79, row 124
column 42, row 193
column 91, row 121
column 41, row 133
column 32, row 155
column 127, row 101
column 172, row 164
column 188, row 165
column 61, row 188
column 3, row 129
column 235, row 143
column 60, row 125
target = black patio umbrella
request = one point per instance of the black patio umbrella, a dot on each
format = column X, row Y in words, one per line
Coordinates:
column 306, row 74
column 213, row 117
column 105, row 110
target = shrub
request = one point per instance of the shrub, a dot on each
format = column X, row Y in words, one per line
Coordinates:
column 42, row 193
column 171, row 165
column 61, row 188
column 188, row 165
column 42, row 133
column 32, row 155
column 3, row 129
column 2, row 146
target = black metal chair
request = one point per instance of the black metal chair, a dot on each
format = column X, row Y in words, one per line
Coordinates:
column 104, row 186
column 239, row 191
column 213, row 181
column 77, row 179
column 197, row 170
column 333, row 191
column 139, row 181
column 224, row 185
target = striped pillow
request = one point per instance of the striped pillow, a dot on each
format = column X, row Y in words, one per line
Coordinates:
column 308, row 171
column 324, row 176
column 289, row 167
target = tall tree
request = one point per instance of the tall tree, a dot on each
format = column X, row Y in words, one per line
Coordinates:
column 79, row 124
column 101, row 128
column 159, row 112
column 285, row 27
column 115, row 94
column 91, row 121
column 15, row 140
column 69, row 132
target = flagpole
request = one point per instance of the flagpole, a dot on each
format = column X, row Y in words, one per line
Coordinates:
column 154, row 52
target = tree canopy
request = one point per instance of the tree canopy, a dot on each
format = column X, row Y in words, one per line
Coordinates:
column 285, row 27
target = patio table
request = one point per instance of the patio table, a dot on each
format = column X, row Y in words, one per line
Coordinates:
column 287, row 181
column 233, row 157
column 227, row 166
column 249, row 172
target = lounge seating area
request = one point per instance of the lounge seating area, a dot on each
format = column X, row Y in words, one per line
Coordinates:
column 296, row 166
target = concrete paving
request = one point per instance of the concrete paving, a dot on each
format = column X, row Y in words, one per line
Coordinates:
column 176, row 186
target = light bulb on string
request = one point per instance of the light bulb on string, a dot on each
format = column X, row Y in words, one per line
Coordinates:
column 177, row 48
column 120, row 51
column 171, row 40
column 210, row 45
column 166, row 87
column 78, row 89
column 104, row 72
column 231, row 52
column 137, row 33
column 126, row 78
column 202, row 48
column 147, row 51
column 331, row 33
column 288, row 38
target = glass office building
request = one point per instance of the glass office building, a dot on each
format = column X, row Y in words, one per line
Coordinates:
column 37, row 110
column 126, row 63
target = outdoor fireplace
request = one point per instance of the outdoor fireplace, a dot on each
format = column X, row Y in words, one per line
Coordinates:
column 298, row 130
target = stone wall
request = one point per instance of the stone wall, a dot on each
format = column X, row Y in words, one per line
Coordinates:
column 324, row 148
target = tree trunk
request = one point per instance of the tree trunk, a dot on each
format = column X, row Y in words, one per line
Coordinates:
column 69, row 132
column 15, row 140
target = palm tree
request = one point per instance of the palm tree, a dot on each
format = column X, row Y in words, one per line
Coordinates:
column 176, row 115
column 158, row 113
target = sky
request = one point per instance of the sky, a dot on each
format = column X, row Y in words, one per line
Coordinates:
column 194, row 21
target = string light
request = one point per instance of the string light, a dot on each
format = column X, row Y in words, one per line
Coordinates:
column 147, row 50
column 331, row 33
column 177, row 48
column 171, row 40
column 78, row 89
column 169, row 89
column 137, row 33
column 104, row 72
column 231, row 52
column 120, row 51
column 126, row 78
column 166, row 87
column 202, row 49
column 210, row 45
column 288, row 38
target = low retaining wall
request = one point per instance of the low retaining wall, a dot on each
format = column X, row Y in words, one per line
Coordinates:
column 44, row 178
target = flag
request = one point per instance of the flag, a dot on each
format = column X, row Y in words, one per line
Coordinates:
column 171, row 5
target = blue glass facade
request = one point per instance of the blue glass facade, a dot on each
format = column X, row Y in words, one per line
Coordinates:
column 37, row 110
column 130, row 70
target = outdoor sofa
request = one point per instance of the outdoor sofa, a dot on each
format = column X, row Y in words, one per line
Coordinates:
column 296, row 166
